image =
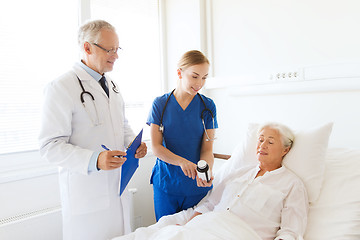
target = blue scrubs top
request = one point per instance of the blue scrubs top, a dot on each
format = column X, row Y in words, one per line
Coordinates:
column 183, row 133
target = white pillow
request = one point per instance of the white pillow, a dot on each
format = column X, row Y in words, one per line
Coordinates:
column 306, row 157
column 336, row 213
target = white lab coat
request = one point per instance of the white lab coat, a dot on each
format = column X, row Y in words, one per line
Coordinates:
column 91, row 206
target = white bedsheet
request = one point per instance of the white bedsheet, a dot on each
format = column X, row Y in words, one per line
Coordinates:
column 212, row 225
column 335, row 215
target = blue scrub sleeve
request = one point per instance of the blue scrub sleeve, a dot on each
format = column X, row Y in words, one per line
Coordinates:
column 156, row 110
column 154, row 116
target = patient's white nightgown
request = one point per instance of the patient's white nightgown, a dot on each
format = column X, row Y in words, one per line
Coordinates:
column 275, row 205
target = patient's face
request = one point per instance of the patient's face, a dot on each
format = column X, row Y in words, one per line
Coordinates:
column 270, row 149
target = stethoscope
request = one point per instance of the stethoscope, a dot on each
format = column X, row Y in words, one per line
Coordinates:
column 84, row 92
column 161, row 127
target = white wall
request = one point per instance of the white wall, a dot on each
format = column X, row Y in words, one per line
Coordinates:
column 299, row 111
column 182, row 32
column 260, row 36
column 253, row 41
column 24, row 196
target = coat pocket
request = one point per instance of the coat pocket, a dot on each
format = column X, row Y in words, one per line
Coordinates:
column 88, row 193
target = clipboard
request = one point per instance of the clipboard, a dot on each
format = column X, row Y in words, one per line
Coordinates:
column 131, row 164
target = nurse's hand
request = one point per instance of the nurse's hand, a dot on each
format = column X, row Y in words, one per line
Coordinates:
column 109, row 160
column 189, row 168
column 204, row 183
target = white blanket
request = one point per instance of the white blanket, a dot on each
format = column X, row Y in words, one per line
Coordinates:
column 212, row 225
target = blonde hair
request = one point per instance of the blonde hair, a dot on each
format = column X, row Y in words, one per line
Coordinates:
column 190, row 58
column 91, row 31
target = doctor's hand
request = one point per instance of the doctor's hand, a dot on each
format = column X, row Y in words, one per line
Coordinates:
column 189, row 168
column 109, row 160
column 141, row 151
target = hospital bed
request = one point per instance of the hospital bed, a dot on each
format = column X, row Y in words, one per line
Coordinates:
column 335, row 215
column 331, row 176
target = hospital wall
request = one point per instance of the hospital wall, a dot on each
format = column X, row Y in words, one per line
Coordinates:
column 295, row 62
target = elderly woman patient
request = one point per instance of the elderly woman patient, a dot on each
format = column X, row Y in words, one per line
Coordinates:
column 269, row 198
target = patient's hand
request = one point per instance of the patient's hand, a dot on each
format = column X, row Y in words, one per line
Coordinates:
column 195, row 214
column 204, row 183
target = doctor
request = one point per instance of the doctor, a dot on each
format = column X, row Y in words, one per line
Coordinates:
column 82, row 110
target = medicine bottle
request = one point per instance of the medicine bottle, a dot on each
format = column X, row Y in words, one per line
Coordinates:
column 203, row 170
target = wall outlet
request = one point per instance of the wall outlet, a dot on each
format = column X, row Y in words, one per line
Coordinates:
column 287, row 76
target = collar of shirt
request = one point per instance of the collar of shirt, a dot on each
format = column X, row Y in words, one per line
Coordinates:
column 252, row 175
column 97, row 76
column 276, row 171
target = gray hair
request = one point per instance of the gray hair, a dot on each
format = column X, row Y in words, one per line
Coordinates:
column 286, row 133
column 91, row 30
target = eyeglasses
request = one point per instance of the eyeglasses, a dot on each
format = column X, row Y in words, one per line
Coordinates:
column 110, row 52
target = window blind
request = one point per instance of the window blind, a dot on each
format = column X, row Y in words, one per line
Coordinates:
column 37, row 44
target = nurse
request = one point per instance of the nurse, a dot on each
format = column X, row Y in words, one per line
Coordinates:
column 182, row 125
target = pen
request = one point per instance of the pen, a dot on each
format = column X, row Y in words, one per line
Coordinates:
column 104, row 147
